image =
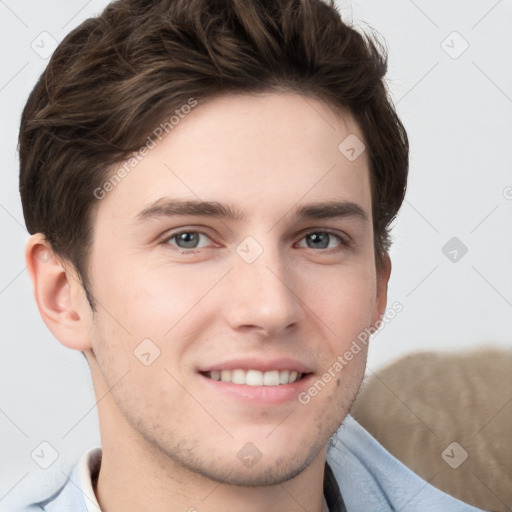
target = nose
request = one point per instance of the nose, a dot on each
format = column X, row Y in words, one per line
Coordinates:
column 261, row 295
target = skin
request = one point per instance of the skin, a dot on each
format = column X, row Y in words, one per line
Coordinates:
column 170, row 440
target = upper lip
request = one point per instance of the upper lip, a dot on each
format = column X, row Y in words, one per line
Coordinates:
column 263, row 365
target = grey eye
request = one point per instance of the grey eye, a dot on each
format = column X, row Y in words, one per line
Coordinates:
column 321, row 240
column 188, row 239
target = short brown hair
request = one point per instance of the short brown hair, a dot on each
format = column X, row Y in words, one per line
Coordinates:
column 116, row 76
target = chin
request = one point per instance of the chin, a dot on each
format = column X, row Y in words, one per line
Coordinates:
column 270, row 462
column 262, row 474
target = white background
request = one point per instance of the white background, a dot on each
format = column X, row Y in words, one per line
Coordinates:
column 458, row 114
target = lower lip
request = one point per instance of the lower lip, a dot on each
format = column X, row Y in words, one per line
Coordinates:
column 260, row 395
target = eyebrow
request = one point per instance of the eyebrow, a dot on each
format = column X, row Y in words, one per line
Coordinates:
column 330, row 210
column 166, row 207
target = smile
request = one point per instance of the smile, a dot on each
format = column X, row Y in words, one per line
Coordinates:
column 255, row 377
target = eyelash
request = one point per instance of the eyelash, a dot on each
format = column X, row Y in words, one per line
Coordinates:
column 344, row 242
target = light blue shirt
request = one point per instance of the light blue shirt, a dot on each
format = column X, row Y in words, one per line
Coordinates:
column 370, row 480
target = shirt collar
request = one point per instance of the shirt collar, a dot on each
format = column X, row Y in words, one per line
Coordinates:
column 332, row 492
column 89, row 468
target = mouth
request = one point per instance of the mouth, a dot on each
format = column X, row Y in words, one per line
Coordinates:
column 253, row 377
column 256, row 381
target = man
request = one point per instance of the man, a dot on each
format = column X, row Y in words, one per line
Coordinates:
column 210, row 186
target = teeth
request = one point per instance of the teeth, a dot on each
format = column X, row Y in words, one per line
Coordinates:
column 283, row 377
column 255, row 377
column 271, row 378
column 238, row 377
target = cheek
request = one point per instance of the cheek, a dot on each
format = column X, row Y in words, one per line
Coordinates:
column 344, row 301
column 160, row 312
column 150, row 301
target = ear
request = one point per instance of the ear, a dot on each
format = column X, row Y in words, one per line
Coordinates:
column 381, row 299
column 59, row 294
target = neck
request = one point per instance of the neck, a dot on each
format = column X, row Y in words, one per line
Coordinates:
column 133, row 477
column 136, row 475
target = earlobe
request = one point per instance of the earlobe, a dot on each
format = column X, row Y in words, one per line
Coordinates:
column 55, row 292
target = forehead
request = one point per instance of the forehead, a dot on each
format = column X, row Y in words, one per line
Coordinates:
column 263, row 153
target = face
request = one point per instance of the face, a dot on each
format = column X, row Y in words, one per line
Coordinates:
column 239, row 248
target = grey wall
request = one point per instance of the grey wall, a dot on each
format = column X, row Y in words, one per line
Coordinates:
column 457, row 108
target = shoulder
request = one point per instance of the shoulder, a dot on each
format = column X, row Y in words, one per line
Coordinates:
column 26, row 508
column 70, row 495
column 59, row 501
column 370, row 478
